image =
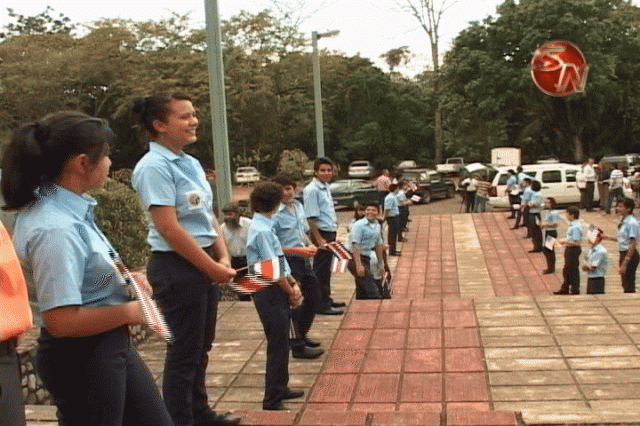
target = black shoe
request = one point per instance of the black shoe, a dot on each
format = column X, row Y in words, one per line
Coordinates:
column 395, row 253
column 338, row 304
column 305, row 352
column 511, row 217
column 275, row 407
column 534, row 251
column 547, row 271
column 561, row 292
column 515, row 227
column 402, row 240
column 311, row 343
column 330, row 311
column 211, row 418
column 291, row 394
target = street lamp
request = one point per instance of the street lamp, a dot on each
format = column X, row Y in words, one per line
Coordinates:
column 316, row 87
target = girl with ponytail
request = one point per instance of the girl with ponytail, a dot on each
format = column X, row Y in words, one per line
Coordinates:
column 84, row 358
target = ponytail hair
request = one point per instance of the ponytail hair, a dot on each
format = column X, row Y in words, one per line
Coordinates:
column 38, row 152
column 147, row 109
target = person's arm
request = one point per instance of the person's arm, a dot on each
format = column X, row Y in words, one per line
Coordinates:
column 357, row 260
column 82, row 321
column 306, row 252
column 166, row 221
column 220, row 246
column 314, row 233
column 382, row 255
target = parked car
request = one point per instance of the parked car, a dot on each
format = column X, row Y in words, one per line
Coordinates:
column 406, row 164
column 430, row 184
column 346, row 192
column 629, row 163
column 247, row 175
column 558, row 180
column 547, row 159
column 451, row 166
column 361, row 169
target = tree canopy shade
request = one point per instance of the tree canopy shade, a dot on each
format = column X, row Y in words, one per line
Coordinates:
column 268, row 82
column 489, row 99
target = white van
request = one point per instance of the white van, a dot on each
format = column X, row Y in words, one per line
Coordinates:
column 558, row 180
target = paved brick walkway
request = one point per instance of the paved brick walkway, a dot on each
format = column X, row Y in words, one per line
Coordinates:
column 473, row 336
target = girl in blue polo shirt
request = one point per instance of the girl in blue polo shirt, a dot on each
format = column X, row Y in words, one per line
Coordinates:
column 85, row 358
column 188, row 256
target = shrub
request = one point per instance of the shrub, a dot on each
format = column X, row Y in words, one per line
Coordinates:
column 121, row 217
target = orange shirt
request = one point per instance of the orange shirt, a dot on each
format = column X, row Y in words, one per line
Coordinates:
column 15, row 313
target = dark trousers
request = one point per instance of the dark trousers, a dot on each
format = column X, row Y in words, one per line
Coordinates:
column 189, row 301
column 381, row 197
column 240, row 262
column 392, row 232
column 11, row 399
column 273, row 309
column 595, row 285
column 322, row 269
column 550, row 255
column 583, row 198
column 571, row 270
column 513, row 199
column 588, row 196
column 536, row 231
column 469, row 200
column 366, row 287
column 404, row 218
column 519, row 221
column 526, row 220
column 303, row 316
column 629, row 277
column 99, row 380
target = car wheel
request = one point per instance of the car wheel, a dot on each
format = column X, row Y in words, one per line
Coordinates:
column 450, row 192
column 427, row 197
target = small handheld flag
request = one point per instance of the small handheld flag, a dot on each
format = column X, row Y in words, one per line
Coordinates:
column 339, row 265
column 250, row 283
column 339, row 250
column 150, row 312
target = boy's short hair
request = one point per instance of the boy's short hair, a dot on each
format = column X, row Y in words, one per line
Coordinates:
column 265, row 197
column 372, row 204
column 321, row 160
column 552, row 202
column 574, row 211
column 627, row 203
column 284, row 180
column 393, row 187
column 536, row 185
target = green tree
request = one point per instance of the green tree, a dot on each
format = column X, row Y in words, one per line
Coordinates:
column 489, row 98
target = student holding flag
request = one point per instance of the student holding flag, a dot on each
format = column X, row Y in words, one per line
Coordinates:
column 291, row 228
column 366, row 240
column 188, row 255
column 273, row 302
column 85, row 358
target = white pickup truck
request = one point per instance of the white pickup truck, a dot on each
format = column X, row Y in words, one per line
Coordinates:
column 451, row 167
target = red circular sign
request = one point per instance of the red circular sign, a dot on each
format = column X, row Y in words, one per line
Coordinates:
column 559, row 68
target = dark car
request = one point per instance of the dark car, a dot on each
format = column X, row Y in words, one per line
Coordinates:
column 347, row 191
column 430, row 184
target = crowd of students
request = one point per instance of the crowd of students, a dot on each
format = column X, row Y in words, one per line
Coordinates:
column 541, row 220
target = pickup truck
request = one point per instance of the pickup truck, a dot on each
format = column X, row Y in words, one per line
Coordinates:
column 451, row 167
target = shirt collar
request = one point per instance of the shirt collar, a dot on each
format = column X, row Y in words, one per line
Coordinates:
column 260, row 218
column 78, row 205
column 165, row 152
column 320, row 184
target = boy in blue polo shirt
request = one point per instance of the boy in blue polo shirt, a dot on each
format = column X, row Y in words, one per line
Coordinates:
column 571, row 270
column 392, row 215
column 596, row 265
column 273, row 302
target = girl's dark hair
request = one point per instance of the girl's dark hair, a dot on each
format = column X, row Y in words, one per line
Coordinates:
column 536, row 186
column 552, row 202
column 284, row 180
column 38, row 152
column 265, row 197
column 147, row 109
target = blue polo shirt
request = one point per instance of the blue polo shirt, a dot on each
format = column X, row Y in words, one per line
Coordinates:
column 391, row 205
column 628, row 228
column 318, row 204
column 599, row 260
column 290, row 225
column 64, row 255
column 262, row 242
column 551, row 216
column 512, row 183
column 575, row 231
column 163, row 178
column 366, row 236
column 535, row 202
column 526, row 195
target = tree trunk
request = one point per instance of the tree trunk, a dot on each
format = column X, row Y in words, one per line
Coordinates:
column 439, row 148
column 579, row 146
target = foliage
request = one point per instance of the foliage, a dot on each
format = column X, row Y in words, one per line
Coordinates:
column 293, row 164
column 121, row 217
column 489, row 98
column 42, row 23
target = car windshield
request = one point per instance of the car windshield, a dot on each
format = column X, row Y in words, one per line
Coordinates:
column 359, row 164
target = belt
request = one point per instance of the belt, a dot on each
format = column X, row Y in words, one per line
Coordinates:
column 8, row 347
